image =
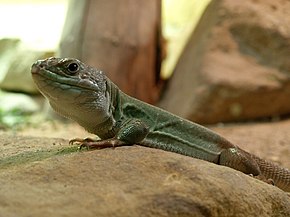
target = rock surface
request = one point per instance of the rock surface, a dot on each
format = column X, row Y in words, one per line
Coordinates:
column 46, row 177
column 236, row 64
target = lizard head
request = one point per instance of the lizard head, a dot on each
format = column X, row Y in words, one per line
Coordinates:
column 66, row 74
column 74, row 89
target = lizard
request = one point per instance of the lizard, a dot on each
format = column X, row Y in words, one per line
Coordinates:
column 86, row 95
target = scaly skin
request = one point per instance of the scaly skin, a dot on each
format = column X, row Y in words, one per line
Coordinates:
column 84, row 94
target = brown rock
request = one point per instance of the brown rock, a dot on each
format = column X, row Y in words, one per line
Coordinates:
column 236, row 64
column 47, row 178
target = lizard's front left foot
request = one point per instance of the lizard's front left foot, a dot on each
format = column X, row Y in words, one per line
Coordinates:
column 97, row 144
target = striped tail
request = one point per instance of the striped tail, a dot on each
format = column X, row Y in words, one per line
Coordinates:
column 269, row 170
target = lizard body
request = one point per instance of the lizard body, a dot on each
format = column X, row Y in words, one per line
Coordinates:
column 85, row 95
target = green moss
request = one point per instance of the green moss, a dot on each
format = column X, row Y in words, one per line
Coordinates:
column 32, row 156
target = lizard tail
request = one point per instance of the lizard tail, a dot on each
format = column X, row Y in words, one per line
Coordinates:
column 239, row 159
column 269, row 170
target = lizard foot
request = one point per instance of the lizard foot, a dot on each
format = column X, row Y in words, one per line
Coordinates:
column 80, row 141
column 270, row 181
column 90, row 143
column 266, row 180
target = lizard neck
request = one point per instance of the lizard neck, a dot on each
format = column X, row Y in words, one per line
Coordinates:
column 96, row 111
column 108, row 127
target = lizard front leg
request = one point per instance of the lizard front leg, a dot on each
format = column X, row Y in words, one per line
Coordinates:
column 131, row 131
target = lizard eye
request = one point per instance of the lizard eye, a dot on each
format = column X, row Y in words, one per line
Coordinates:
column 73, row 67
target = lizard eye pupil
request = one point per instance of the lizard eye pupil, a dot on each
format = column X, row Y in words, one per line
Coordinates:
column 73, row 67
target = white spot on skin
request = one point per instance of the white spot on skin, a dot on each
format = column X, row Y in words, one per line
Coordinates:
column 233, row 150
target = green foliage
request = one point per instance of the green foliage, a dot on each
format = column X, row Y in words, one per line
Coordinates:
column 12, row 118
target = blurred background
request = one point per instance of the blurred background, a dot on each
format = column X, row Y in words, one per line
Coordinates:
column 208, row 61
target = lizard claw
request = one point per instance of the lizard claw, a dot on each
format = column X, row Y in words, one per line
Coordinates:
column 75, row 140
column 81, row 141
column 89, row 143
column 266, row 180
column 270, row 181
column 84, row 145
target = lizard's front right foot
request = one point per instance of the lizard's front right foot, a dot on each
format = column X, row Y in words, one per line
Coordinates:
column 90, row 143
column 80, row 141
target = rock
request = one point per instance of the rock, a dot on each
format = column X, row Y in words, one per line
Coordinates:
column 236, row 64
column 8, row 48
column 45, row 177
column 16, row 60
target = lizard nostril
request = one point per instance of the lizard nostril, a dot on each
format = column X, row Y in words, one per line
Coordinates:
column 37, row 66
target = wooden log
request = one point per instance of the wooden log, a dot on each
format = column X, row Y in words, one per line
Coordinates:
column 122, row 38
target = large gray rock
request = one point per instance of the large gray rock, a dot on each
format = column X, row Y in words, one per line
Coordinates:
column 16, row 60
column 45, row 177
column 236, row 64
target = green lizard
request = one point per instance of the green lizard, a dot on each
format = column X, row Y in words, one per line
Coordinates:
column 85, row 95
